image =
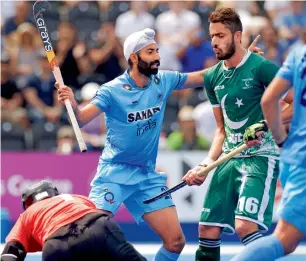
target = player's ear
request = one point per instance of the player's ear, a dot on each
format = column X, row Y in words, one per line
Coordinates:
column 238, row 37
column 134, row 58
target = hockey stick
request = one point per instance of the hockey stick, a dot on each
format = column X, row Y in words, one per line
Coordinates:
column 38, row 8
column 203, row 172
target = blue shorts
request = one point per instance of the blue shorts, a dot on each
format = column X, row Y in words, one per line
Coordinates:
column 115, row 184
column 293, row 204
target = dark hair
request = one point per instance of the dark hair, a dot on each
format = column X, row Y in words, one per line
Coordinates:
column 228, row 17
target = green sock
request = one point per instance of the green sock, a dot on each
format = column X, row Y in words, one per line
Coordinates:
column 209, row 250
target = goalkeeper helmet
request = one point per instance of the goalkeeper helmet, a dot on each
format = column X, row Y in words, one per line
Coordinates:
column 37, row 192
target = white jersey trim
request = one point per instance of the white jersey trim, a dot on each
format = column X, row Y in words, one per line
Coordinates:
column 266, row 195
column 245, row 58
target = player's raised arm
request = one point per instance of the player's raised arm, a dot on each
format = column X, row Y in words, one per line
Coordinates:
column 196, row 79
column 84, row 115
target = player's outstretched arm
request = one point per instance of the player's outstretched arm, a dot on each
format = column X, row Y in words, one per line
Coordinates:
column 196, row 79
column 83, row 116
column 271, row 108
column 13, row 251
column 215, row 151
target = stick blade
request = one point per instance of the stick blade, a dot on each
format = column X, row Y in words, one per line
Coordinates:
column 41, row 6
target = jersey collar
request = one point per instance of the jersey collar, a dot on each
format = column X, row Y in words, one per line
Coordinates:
column 131, row 81
column 247, row 55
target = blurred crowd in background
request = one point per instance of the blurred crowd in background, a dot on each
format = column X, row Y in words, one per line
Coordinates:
column 88, row 36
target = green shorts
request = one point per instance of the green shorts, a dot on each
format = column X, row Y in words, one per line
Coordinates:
column 242, row 188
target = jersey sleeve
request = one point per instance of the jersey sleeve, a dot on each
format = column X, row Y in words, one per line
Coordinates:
column 176, row 80
column 210, row 90
column 19, row 233
column 286, row 71
column 102, row 99
column 267, row 72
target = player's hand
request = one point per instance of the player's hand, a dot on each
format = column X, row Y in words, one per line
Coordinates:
column 253, row 134
column 192, row 177
column 253, row 47
column 65, row 93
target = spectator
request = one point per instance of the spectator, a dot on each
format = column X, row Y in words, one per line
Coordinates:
column 291, row 23
column 186, row 137
column 10, row 10
column 39, row 93
column 136, row 19
column 70, row 55
column 205, row 120
column 111, row 10
column 173, row 28
column 158, row 7
column 11, row 97
column 176, row 101
column 273, row 47
column 26, row 52
column 273, row 7
column 106, row 54
column 21, row 15
column 94, row 132
column 203, row 9
column 65, row 140
column 198, row 54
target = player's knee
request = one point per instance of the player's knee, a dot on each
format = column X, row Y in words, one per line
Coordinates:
column 245, row 227
column 175, row 243
column 209, row 232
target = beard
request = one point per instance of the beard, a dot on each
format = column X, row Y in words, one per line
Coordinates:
column 145, row 68
column 231, row 49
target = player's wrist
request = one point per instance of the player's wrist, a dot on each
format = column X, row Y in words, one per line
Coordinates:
column 281, row 143
column 206, row 162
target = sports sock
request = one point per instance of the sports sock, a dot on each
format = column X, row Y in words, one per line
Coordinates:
column 164, row 255
column 209, row 250
column 251, row 237
column 264, row 249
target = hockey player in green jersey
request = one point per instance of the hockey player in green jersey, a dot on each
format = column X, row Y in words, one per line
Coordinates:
column 241, row 191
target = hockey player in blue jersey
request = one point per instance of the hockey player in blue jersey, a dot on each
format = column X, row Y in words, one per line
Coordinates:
column 291, row 227
column 134, row 105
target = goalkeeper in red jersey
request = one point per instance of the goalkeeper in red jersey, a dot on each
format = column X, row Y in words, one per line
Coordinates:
column 65, row 227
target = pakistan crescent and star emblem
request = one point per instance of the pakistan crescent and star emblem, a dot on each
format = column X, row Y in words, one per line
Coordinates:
column 232, row 124
column 239, row 102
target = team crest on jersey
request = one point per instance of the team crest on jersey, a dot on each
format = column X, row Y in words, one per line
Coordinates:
column 127, row 87
column 247, row 83
column 143, row 115
column 156, row 80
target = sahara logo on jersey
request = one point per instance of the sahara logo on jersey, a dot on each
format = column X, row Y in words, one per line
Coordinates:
column 142, row 115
